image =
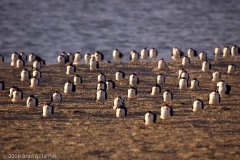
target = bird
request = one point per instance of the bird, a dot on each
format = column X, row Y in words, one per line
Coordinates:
column 23, row 57
column 185, row 61
column 110, row 85
column 37, row 65
column 70, row 69
column 1, row 59
column 93, row 65
column 167, row 96
column 56, row 97
column 70, row 57
column 162, row 64
column 134, row 56
column 206, row 66
column 69, row 88
column 2, row 87
column 183, row 84
column 156, row 90
column 37, row 73
column 144, row 54
column 119, row 76
column 34, row 82
column 226, row 52
column 194, row 84
column 20, row 63
column 176, row 53
column 32, row 102
column 62, row 60
column 214, row 98
column 25, row 75
column 217, row 53
column 216, row 76
column 192, row 53
column 13, row 88
column 117, row 55
column 39, row 59
column 150, row 118
column 166, row 112
column 231, row 69
column 202, row 56
column 197, row 106
column 121, row 112
column 101, row 85
column 99, row 56
column 153, row 53
column 14, row 57
column 77, row 58
column 101, row 96
column 77, row 80
column 87, row 58
column 101, row 77
column 223, row 88
column 48, row 110
column 235, row 51
column 132, row 93
column 133, row 80
column 31, row 58
column 160, row 79
column 117, row 102
column 180, row 71
column 185, row 75
column 17, row 96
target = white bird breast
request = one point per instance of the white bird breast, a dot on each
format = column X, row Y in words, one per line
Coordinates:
column 190, row 54
column 119, row 76
column 205, row 66
column 93, row 64
column 155, row 91
column 24, row 75
column 31, row 102
column 231, row 69
column 47, row 111
column 14, row 57
column 214, row 98
column 215, row 76
column 117, row 103
column 161, row 64
column 152, row 53
column 176, row 54
column 16, row 96
column 100, row 86
column 77, row 81
column 131, row 93
column 226, row 52
column 197, row 106
column 98, row 57
column 148, row 119
column 77, row 57
column 182, row 84
column 202, row 56
column 56, row 98
column 31, row 58
column 185, row 61
column 134, row 57
column 68, row 88
column 19, row 63
column 101, row 78
column 185, row 75
column 87, row 58
column 167, row 97
column 234, row 51
column 70, row 70
column 34, row 82
column 144, row 54
column 36, row 65
column 109, row 85
column 116, row 55
column 217, row 52
column 61, row 60
column 194, row 84
column 101, row 96
column 165, row 113
column 36, row 73
column 120, row 113
column 160, row 79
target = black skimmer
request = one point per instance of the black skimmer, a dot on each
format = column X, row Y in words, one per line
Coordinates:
column 117, row 55
column 34, row 82
column 217, row 53
column 183, row 84
column 101, row 96
column 144, row 54
column 231, row 69
column 235, row 51
column 133, row 80
column 110, row 85
column 162, row 64
column 101, row 85
column 70, row 69
column 226, row 52
column 77, row 80
column 156, row 90
column 166, row 112
column 160, row 79
column 185, row 61
column 132, row 93
column 194, row 84
column 99, row 56
column 62, row 60
column 56, row 98
column 134, row 56
column 32, row 102
column 216, row 76
column 17, row 96
column 150, row 118
column 176, row 54
column 192, row 54
column 23, row 57
column 37, row 73
column 197, row 106
column 101, row 77
column 153, row 53
column 87, row 58
column 223, row 88
column 167, row 96
column 77, row 58
column 93, row 65
column 15, row 56
column 119, row 101
column 202, row 56
column 121, row 112
column 69, row 88
column 214, row 98
column 48, row 110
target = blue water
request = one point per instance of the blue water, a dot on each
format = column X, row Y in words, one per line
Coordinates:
column 49, row 27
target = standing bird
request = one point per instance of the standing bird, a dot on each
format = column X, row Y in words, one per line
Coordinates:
column 153, row 53
column 132, row 93
column 101, row 96
column 144, row 54
column 70, row 69
column 48, row 110
column 185, row 75
column 150, row 118
column 93, row 65
column 162, row 64
column 216, row 76
column 167, row 96
column 235, row 51
column 110, row 85
column 192, row 54
column 217, row 53
column 117, row 55
column 62, row 60
column 20, row 63
column 206, row 66
column 56, row 98
column 185, row 62
column 77, row 80
column 202, row 56
column 120, row 75
column 176, row 53
column 31, row 58
column 118, row 102
column 101, row 77
column 17, row 96
column 34, row 82
column 12, row 89
column 166, row 112
column 32, row 102
column 223, row 88
column 2, row 87
column 180, row 71
column 70, row 57
column 77, row 58
column 160, row 79
column 231, row 69
column 23, row 57
column 1, row 59
column 99, row 56
column 121, row 112
column 37, row 73
column 194, row 84
column 87, row 58
column 69, row 88
column 156, row 90
column 133, row 80
column 214, row 98
column 25, row 75
column 134, row 56
column 101, row 85
column 37, row 65
column 226, row 52
column 15, row 56
column 183, row 84
column 197, row 106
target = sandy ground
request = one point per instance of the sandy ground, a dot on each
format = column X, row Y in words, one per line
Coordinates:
column 82, row 129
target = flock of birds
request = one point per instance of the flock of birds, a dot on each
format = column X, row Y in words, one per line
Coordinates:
column 94, row 60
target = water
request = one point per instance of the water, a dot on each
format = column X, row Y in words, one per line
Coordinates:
column 49, row 27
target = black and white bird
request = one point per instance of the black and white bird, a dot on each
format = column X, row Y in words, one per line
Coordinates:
column 216, row 76
column 32, row 102
column 194, row 84
column 25, row 75
column 17, row 96
column 202, row 56
column 144, row 54
column 34, row 82
column 160, row 79
column 197, row 106
column 149, row 119
column 70, row 57
column 117, row 102
column 56, row 98
column 153, row 53
column 101, row 77
column 180, row 71
column 217, row 53
column 37, row 65
column 31, row 58
column 133, row 80
column 70, row 69
column 223, row 88
column 62, row 60
column 176, row 54
column 77, row 58
column 2, row 87
column 87, row 58
column 110, row 85
column 206, row 66
column 192, row 54
column 156, row 90
column 117, row 55
column 93, row 65
column 48, row 110
column 121, row 112
column 167, row 96
column 185, row 75
column 37, row 73
column 20, row 63
column 12, row 89
column 185, row 62
column 166, row 112
column 77, row 80
column 231, row 69
column 226, row 52
column 162, row 65
column 134, row 56
column 101, row 85
column 235, row 51
column 132, row 93
column 120, row 75
column 183, row 84
column 23, row 57
column 69, row 88
column 214, row 98
column 99, row 56
column 1, row 59
column 14, row 57
column 101, row 96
